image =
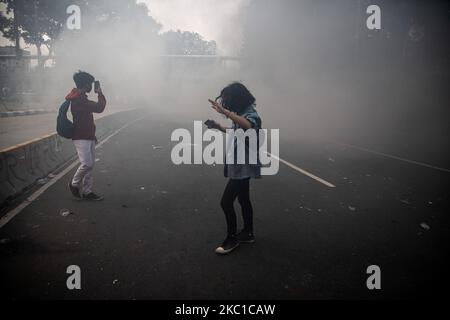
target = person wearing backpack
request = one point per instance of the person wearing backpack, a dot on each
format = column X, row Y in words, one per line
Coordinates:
column 83, row 133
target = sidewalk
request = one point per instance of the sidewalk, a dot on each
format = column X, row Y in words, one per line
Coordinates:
column 25, row 105
column 18, row 130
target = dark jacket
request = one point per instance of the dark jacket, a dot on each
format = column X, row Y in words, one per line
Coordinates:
column 82, row 109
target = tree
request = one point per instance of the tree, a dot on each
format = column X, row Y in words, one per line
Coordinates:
column 37, row 22
column 41, row 22
column 187, row 43
column 9, row 26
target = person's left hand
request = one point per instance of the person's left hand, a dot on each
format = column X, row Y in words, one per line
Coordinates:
column 218, row 107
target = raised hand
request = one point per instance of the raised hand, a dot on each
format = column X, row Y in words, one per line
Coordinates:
column 218, row 107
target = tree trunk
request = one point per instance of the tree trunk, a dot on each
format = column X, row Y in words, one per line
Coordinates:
column 39, row 55
column 16, row 30
column 50, row 54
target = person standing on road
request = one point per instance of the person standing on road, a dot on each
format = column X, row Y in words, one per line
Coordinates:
column 237, row 104
column 84, row 133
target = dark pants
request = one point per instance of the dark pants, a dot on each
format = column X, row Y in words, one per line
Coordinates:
column 237, row 189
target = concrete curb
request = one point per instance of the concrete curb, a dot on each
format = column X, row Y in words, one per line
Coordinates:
column 25, row 113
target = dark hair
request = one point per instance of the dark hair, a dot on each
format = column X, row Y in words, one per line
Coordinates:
column 236, row 97
column 83, row 79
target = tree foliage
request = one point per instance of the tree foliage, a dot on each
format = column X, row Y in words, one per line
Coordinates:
column 187, row 43
column 42, row 22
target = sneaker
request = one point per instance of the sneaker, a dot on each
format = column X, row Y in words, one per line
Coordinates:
column 228, row 245
column 75, row 191
column 246, row 237
column 92, row 197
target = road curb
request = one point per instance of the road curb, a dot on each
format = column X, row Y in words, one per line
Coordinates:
column 25, row 113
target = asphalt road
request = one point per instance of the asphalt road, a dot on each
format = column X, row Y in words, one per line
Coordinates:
column 154, row 235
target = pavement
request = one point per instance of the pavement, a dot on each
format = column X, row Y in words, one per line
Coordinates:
column 18, row 130
column 154, row 235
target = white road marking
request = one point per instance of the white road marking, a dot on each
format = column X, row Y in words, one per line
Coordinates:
column 306, row 173
column 14, row 212
column 394, row 157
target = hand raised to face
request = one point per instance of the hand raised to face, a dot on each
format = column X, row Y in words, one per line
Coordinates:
column 218, row 107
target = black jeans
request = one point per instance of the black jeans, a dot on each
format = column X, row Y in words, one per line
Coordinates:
column 237, row 189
